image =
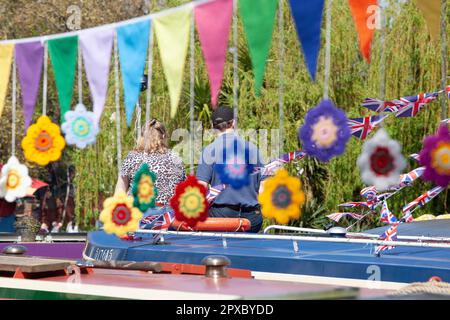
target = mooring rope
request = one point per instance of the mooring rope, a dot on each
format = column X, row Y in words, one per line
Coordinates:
column 281, row 84
column 45, row 80
column 13, row 105
column 191, row 95
column 117, row 99
column 433, row 287
column 326, row 80
column 148, row 101
column 235, row 63
column 443, row 57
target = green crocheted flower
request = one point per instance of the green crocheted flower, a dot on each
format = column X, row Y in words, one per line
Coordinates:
column 143, row 189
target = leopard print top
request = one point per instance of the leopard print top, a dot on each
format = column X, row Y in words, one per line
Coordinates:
column 168, row 167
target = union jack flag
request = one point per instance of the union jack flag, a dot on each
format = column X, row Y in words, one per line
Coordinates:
column 415, row 156
column 274, row 165
column 408, row 178
column 445, row 121
column 354, row 204
column 338, row 215
column 369, row 192
column 361, row 127
column 421, row 201
column 413, row 104
column 157, row 221
column 378, row 105
column 213, row 192
column 386, row 214
column 389, row 235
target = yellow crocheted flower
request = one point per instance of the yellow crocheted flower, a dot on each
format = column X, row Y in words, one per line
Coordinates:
column 119, row 216
column 282, row 197
column 43, row 142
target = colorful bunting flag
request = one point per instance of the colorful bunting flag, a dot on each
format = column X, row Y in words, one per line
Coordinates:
column 172, row 33
column 29, row 59
column 386, row 214
column 96, row 48
column 258, row 18
column 213, row 24
column 338, row 215
column 307, row 16
column 389, row 235
column 132, row 42
column 413, row 104
column 431, row 10
column 63, row 53
column 422, row 200
column 6, row 55
column 361, row 16
column 361, row 127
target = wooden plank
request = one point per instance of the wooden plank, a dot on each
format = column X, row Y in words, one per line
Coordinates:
column 31, row 264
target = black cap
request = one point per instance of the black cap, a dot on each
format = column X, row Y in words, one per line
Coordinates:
column 222, row 114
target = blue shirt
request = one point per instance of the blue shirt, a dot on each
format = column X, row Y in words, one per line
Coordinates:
column 247, row 196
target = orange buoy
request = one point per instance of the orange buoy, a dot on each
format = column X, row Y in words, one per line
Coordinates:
column 215, row 224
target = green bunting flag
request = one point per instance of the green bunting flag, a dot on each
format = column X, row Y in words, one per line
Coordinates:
column 258, row 18
column 63, row 54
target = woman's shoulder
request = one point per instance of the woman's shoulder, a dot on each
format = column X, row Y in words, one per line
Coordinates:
column 175, row 156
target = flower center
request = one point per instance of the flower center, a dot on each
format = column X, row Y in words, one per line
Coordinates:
column 145, row 189
column 381, row 161
column 81, row 127
column 121, row 215
column 281, row 197
column 43, row 141
column 324, row 132
column 191, row 202
column 440, row 158
column 13, row 179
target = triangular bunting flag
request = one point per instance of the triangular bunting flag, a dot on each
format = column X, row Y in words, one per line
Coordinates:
column 96, row 48
column 132, row 41
column 6, row 55
column 258, row 18
column 431, row 10
column 213, row 24
column 361, row 17
column 63, row 53
column 29, row 59
column 172, row 33
column 308, row 19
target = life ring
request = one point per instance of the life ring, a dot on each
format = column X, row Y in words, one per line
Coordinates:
column 215, row 224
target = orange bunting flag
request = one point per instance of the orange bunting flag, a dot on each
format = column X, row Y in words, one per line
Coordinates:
column 365, row 13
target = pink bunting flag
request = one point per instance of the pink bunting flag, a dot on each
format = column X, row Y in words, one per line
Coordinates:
column 213, row 24
column 29, row 57
column 96, row 48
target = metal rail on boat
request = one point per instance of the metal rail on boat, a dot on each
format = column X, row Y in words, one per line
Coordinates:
column 296, row 239
column 354, row 234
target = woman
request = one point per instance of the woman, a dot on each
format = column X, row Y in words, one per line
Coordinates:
column 152, row 149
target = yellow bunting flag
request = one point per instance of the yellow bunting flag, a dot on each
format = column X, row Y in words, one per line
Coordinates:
column 6, row 54
column 431, row 10
column 172, row 34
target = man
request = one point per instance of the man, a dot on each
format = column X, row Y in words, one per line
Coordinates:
column 231, row 203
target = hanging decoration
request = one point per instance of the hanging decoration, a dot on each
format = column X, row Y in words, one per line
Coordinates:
column 80, row 127
column 96, row 48
column 381, row 161
column 282, row 197
column 389, row 235
column 361, row 127
column 189, row 202
column 386, row 215
column 435, row 156
column 431, row 10
column 419, row 202
column 308, row 20
column 325, row 132
column 29, row 59
column 258, row 18
column 14, row 180
column 6, row 56
column 339, row 215
column 213, row 21
column 172, row 33
column 43, row 142
column 63, row 54
column 361, row 16
column 132, row 40
column 119, row 216
column 143, row 188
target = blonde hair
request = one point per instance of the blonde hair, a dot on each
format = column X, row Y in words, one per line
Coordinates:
column 153, row 139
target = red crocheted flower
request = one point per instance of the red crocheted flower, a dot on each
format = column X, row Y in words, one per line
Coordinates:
column 189, row 202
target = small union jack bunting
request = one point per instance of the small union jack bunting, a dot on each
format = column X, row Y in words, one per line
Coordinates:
column 386, row 214
column 420, row 201
column 413, row 104
column 361, row 127
column 378, row 105
column 338, row 215
column 389, row 235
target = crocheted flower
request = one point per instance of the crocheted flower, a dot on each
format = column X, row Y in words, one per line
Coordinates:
column 236, row 169
column 282, row 197
column 143, row 189
column 80, row 127
column 189, row 202
column 435, row 156
column 43, row 142
column 325, row 132
column 119, row 216
column 14, row 180
column 381, row 161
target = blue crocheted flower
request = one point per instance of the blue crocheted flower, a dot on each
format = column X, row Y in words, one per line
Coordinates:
column 80, row 127
column 325, row 132
column 236, row 169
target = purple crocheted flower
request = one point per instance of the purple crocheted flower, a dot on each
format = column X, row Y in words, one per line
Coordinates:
column 435, row 156
column 325, row 132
